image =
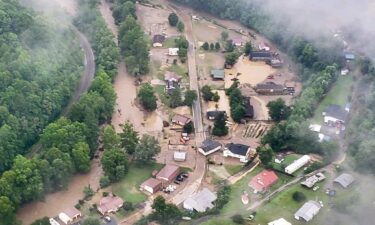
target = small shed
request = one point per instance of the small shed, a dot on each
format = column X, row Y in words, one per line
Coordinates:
column 151, row 185
column 345, row 180
column 179, row 156
column 218, row 74
column 172, row 51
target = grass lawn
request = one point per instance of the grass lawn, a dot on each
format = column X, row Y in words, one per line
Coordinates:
column 284, row 206
column 180, row 70
column 235, row 204
column 218, row 222
column 169, row 43
column 128, row 188
column 233, row 169
column 160, row 90
column 337, row 95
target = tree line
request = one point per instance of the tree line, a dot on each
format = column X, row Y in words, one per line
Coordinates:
column 68, row 143
column 40, row 65
column 133, row 43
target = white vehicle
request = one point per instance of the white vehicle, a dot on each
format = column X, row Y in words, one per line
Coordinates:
column 107, row 218
column 316, row 188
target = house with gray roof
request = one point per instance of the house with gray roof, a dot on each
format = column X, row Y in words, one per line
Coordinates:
column 201, row 201
column 218, row 74
column 307, row 211
column 209, row 146
column 334, row 114
column 345, row 180
column 260, row 55
column 270, row 88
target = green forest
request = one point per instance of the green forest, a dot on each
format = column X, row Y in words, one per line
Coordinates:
column 40, row 68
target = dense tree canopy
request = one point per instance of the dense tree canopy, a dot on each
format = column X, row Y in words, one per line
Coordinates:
column 220, row 128
column 173, row 19
column 278, row 110
column 147, row 149
column 115, row 164
column 147, row 97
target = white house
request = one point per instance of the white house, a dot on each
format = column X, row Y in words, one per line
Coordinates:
column 209, row 146
column 68, row 216
column 239, row 151
column 179, row 156
column 307, row 211
column 296, row 165
column 172, row 51
column 200, row 201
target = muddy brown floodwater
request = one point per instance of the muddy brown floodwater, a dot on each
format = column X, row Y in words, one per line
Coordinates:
column 126, row 109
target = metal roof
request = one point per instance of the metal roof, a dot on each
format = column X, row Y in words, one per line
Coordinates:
column 344, row 180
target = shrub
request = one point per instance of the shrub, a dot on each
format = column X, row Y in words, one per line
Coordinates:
column 299, row 196
column 104, row 182
column 128, row 206
column 238, row 219
column 105, row 194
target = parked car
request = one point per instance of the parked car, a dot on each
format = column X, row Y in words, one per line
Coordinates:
column 107, row 218
column 184, row 175
column 179, row 179
column 177, row 182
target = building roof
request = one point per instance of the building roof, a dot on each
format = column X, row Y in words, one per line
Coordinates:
column 293, row 167
column 71, row 212
column 270, row 86
column 237, row 40
column 263, row 180
column 173, row 51
column 214, row 113
column 308, row 210
column 169, row 171
column 109, row 203
column 336, row 111
column 218, row 74
column 260, row 54
column 168, row 76
column 349, row 56
column 280, row 221
column 181, row 119
column 311, row 181
column 209, row 145
column 158, row 38
column 315, row 127
column 202, row 200
column 238, row 149
column 344, row 180
column 151, row 182
column 249, row 109
column 179, row 155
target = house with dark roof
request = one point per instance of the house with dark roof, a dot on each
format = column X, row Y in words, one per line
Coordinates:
column 239, row 151
column 209, row 146
column 345, row 180
column 249, row 110
column 334, row 114
column 260, row 56
column 307, row 211
column 270, row 88
column 157, row 40
column 212, row 115
column 218, row 74
column 263, row 180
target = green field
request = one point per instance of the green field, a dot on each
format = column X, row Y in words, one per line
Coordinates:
column 284, row 206
column 233, row 169
column 218, row 222
column 337, row 95
column 169, row 42
column 128, row 188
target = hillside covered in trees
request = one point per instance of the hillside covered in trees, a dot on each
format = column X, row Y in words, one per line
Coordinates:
column 36, row 84
column 40, row 64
